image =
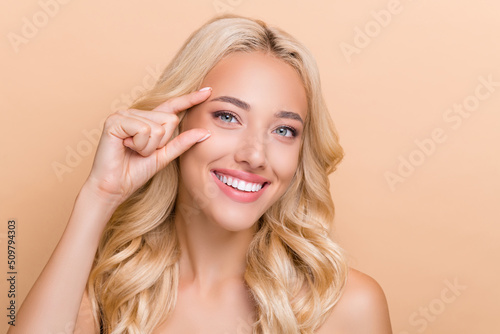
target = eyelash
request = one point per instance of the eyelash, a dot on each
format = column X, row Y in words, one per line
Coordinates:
column 218, row 115
column 289, row 128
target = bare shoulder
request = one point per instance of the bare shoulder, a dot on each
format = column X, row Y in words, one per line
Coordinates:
column 85, row 320
column 361, row 309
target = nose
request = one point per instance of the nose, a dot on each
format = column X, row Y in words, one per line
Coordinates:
column 252, row 151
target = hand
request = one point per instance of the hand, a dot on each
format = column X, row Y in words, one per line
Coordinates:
column 135, row 145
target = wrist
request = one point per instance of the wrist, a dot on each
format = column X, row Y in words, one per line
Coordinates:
column 91, row 212
column 93, row 190
column 92, row 197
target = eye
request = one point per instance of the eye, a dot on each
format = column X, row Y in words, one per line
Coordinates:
column 226, row 116
column 286, row 131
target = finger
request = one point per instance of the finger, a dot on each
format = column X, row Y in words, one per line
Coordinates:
column 184, row 102
column 134, row 133
column 157, row 116
column 156, row 134
column 167, row 120
column 180, row 144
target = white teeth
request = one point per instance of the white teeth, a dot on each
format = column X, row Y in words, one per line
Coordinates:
column 248, row 187
column 239, row 184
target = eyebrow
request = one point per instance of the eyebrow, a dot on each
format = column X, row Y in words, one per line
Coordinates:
column 245, row 106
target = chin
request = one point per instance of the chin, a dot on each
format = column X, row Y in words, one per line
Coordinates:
column 235, row 220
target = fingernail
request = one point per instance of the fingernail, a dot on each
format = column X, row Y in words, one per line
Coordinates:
column 205, row 137
column 204, row 89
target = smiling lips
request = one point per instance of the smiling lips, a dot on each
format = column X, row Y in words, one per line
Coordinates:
column 240, row 186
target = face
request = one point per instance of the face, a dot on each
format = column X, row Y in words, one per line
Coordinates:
column 255, row 115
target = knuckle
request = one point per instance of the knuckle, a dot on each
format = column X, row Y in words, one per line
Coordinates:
column 145, row 128
column 158, row 131
column 111, row 119
column 175, row 120
column 170, row 119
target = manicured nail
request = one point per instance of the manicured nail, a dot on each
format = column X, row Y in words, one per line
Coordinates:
column 205, row 137
column 205, row 88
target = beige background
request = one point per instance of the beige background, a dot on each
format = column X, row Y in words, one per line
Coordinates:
column 435, row 226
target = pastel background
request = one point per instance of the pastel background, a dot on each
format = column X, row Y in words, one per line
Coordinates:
column 414, row 89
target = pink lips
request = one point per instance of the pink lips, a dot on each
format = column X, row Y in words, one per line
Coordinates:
column 249, row 177
column 235, row 194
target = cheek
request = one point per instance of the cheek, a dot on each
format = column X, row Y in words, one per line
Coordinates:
column 284, row 161
column 218, row 145
column 208, row 150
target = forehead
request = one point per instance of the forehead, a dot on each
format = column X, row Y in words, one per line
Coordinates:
column 261, row 80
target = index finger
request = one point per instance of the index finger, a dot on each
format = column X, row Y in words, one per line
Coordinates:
column 180, row 103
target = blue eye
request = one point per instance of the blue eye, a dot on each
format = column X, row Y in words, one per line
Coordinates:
column 226, row 117
column 286, row 131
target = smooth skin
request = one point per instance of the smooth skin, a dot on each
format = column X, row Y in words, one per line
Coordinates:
column 212, row 297
column 250, row 134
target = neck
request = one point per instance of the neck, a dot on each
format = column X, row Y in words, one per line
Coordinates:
column 210, row 254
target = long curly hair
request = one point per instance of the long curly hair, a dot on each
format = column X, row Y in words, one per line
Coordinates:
column 295, row 272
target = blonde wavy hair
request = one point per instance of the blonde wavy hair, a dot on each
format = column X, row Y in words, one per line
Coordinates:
column 295, row 272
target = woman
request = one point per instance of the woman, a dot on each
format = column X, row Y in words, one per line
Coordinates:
column 210, row 208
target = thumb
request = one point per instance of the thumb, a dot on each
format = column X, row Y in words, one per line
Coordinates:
column 179, row 145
